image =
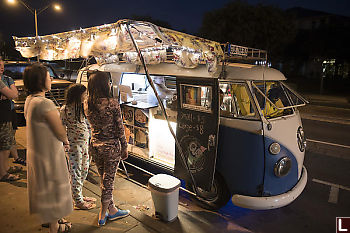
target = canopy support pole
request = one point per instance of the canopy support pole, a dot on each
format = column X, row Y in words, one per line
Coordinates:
column 161, row 106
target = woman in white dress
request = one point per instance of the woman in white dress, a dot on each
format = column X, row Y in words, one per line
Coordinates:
column 49, row 188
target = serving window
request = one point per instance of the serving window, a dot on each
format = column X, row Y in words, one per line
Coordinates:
column 197, row 98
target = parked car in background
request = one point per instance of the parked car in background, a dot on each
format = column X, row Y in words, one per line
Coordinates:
column 15, row 69
column 63, row 72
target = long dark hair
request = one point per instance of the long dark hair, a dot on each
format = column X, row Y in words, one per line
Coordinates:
column 73, row 97
column 98, row 87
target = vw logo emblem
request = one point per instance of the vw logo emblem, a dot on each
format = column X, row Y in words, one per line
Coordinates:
column 301, row 139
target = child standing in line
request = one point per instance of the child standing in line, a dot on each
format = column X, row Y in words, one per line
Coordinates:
column 73, row 117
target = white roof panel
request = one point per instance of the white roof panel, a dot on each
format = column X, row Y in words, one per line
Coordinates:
column 233, row 71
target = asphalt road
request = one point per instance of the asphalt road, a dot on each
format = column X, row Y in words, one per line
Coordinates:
column 327, row 131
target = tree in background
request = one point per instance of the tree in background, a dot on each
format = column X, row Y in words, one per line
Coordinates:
column 7, row 48
column 261, row 26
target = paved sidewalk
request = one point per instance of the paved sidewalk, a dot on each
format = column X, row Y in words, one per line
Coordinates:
column 15, row 215
column 127, row 194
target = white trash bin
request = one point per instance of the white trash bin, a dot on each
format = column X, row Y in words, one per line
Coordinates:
column 165, row 194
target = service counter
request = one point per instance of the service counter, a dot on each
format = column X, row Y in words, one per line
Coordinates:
column 147, row 132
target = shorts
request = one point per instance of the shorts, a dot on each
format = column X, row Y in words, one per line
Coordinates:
column 7, row 136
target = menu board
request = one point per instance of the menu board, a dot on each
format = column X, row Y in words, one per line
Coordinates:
column 197, row 127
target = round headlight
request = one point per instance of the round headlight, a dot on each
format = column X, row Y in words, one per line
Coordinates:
column 282, row 167
column 275, row 148
column 301, row 139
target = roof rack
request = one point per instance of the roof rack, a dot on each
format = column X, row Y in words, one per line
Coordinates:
column 244, row 53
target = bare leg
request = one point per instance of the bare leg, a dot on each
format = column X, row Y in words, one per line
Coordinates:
column 103, row 210
column 53, row 227
column 112, row 210
column 13, row 152
column 4, row 163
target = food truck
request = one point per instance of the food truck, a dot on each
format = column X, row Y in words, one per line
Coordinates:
column 208, row 112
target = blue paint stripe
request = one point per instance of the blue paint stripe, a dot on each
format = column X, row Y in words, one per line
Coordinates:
column 241, row 162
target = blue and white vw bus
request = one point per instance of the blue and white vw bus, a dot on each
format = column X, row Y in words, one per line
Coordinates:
column 260, row 145
column 229, row 130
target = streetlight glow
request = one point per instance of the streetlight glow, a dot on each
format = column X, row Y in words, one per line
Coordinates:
column 35, row 12
column 57, row 7
column 11, row 1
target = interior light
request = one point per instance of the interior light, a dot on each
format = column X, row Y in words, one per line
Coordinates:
column 11, row 1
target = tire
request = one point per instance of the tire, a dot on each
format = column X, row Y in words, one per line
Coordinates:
column 216, row 198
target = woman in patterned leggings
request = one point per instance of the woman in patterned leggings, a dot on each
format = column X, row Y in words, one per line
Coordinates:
column 108, row 144
column 73, row 118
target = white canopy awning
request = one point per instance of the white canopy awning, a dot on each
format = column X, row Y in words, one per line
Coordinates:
column 110, row 43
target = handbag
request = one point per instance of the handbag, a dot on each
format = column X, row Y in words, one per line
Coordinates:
column 5, row 111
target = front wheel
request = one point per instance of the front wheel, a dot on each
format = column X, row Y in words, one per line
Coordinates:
column 216, row 198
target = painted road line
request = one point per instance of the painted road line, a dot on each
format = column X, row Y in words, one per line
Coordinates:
column 333, row 195
column 331, row 184
column 328, row 143
column 334, row 191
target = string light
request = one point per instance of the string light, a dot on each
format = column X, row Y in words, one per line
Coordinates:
column 114, row 39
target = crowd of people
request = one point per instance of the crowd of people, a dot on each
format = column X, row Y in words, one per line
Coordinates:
column 61, row 144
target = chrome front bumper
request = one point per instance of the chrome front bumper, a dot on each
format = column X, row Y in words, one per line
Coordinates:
column 273, row 202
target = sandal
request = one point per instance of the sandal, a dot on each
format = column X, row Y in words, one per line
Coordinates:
column 64, row 227
column 9, row 177
column 60, row 221
column 20, row 161
column 84, row 206
column 89, row 199
column 15, row 169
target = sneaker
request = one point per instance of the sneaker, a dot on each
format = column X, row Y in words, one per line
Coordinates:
column 119, row 214
column 102, row 222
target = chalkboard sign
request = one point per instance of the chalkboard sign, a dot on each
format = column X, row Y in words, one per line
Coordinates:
column 197, row 128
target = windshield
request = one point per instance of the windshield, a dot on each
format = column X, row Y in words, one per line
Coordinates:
column 15, row 71
column 273, row 99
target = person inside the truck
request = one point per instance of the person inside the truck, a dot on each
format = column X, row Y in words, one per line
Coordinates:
column 224, row 105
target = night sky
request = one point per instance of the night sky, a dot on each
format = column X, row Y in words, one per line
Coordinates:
column 181, row 14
